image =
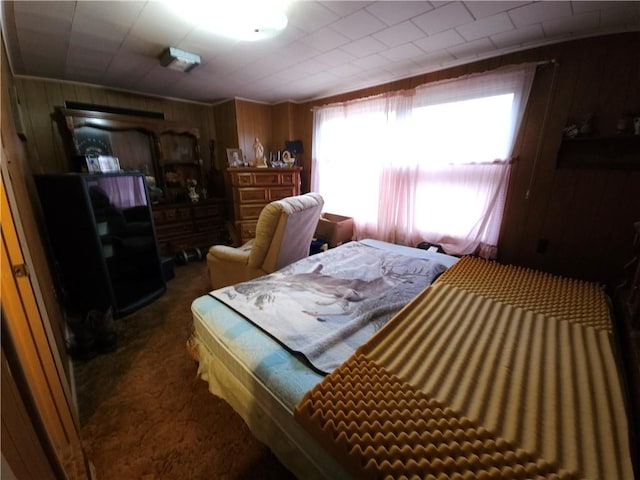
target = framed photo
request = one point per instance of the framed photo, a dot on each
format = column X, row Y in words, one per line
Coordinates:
column 234, row 157
column 93, row 165
column 102, row 163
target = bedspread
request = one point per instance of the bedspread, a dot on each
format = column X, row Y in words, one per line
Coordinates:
column 325, row 306
column 462, row 384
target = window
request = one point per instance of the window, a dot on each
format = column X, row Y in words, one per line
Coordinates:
column 428, row 164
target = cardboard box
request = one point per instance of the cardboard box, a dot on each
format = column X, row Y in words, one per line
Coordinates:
column 334, row 229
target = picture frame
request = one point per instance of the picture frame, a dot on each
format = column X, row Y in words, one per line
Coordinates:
column 102, row 163
column 234, row 157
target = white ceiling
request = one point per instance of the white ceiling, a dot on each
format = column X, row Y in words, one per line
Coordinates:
column 329, row 47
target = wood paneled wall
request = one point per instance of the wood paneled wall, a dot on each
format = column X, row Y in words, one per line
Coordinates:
column 254, row 121
column 33, row 324
column 584, row 217
column 39, row 98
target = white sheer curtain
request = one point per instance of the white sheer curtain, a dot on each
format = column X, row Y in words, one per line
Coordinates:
column 428, row 164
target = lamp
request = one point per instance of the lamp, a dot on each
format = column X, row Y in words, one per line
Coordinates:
column 245, row 20
column 179, row 60
column 294, row 146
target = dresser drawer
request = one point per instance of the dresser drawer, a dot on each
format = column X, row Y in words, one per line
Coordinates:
column 263, row 178
column 254, row 188
column 270, row 178
column 201, row 211
column 246, row 195
column 174, row 214
column 278, row 193
column 250, row 211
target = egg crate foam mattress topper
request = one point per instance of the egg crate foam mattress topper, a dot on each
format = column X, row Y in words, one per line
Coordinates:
column 463, row 384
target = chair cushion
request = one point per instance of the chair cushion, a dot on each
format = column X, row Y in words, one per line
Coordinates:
column 271, row 228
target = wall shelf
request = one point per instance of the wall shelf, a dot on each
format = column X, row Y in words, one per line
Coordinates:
column 609, row 153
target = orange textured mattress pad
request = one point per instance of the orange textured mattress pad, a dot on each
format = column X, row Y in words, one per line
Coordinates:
column 492, row 372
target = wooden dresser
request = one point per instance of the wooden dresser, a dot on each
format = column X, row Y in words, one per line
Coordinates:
column 190, row 225
column 253, row 188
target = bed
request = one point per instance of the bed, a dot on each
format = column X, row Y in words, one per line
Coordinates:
column 484, row 371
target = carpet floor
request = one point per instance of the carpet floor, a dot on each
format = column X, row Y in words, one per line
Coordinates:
column 144, row 414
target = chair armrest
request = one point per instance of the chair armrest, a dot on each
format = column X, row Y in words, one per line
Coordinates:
column 229, row 254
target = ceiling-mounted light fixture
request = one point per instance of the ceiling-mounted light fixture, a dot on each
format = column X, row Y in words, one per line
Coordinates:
column 179, row 60
column 248, row 20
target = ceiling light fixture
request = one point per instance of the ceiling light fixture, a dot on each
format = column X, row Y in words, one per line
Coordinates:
column 176, row 59
column 247, row 20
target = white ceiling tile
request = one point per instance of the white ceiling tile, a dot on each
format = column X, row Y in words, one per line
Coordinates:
column 124, row 14
column 345, row 70
column 371, row 62
column 428, row 61
column 577, row 24
column 340, row 44
column 539, row 12
column 153, row 24
column 293, row 72
column 321, row 78
column 89, row 24
column 399, row 34
column 312, row 66
column 482, row 9
column 358, row 25
column 402, row 52
column 52, row 43
column 335, row 57
column 45, row 64
column 159, row 75
column 270, row 81
column 325, row 39
column 345, row 8
column 310, row 16
column 140, row 45
column 486, row 27
column 99, row 43
column 392, row 13
column 520, row 36
column 443, row 18
column 63, row 10
column 206, row 44
column 298, row 52
column 364, row 47
column 268, row 66
column 287, row 36
column 472, row 49
column 43, row 23
column 440, row 41
column 92, row 59
column 130, row 63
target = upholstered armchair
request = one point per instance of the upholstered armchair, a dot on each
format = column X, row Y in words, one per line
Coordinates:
column 284, row 232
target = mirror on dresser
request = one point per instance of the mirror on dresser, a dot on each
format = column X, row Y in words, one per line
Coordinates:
column 167, row 153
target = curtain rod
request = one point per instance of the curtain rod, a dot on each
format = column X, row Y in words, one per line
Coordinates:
column 551, row 61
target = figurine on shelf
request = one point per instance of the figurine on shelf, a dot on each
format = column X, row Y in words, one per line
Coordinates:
column 191, row 187
column 586, row 127
column 571, row 131
column 258, row 150
column 288, row 159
